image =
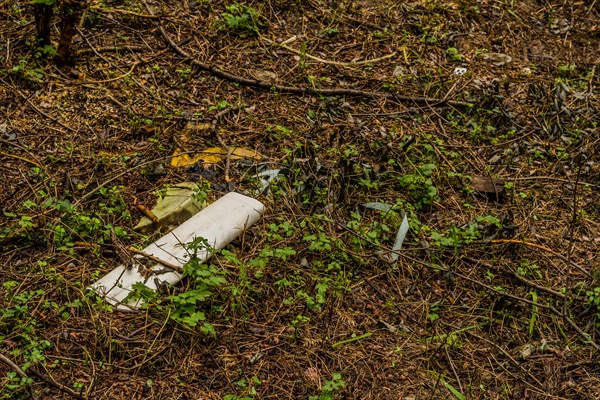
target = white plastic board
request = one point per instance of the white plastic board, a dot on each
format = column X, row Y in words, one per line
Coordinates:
column 219, row 224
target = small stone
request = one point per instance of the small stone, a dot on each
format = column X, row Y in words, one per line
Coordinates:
column 495, row 159
column 389, row 327
column 527, row 351
column 398, row 71
column 266, row 76
column 498, row 59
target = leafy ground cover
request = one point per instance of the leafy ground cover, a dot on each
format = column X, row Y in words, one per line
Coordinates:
column 478, row 119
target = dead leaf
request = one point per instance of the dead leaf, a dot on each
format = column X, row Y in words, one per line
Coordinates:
column 210, row 156
column 493, row 188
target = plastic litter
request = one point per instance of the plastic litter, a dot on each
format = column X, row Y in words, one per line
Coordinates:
column 266, row 178
column 179, row 204
column 402, row 231
column 460, row 71
column 219, row 224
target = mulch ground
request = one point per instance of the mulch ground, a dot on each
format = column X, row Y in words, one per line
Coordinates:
column 350, row 98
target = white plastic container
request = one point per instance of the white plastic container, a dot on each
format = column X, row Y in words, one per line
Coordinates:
column 219, row 224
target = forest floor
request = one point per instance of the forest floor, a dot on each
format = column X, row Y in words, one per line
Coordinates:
column 478, row 120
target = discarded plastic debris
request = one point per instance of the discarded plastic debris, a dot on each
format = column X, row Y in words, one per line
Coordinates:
column 219, row 224
column 180, row 203
column 266, row 178
column 460, row 71
column 402, row 231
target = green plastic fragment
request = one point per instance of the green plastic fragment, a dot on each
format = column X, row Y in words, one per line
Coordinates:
column 180, row 203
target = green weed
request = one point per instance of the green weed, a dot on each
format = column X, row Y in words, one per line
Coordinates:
column 24, row 70
column 248, row 386
column 184, row 73
column 242, row 20
column 528, row 269
column 330, row 388
column 456, row 237
column 185, row 306
column 19, row 325
column 221, row 105
column 377, row 34
column 420, row 187
column 534, row 313
column 454, row 54
column 594, row 303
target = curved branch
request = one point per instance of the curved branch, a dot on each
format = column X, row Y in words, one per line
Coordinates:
column 431, row 102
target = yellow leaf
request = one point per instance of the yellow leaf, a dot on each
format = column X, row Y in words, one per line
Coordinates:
column 210, row 156
column 240, row 152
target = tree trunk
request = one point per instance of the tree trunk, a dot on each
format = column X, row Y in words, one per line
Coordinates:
column 43, row 16
column 71, row 12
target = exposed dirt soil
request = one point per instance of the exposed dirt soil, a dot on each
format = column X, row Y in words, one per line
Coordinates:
column 479, row 119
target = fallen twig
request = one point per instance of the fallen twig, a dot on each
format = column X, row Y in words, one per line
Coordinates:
column 144, row 210
column 57, row 385
column 117, row 67
column 556, row 312
column 321, row 60
column 552, row 309
column 121, row 11
column 431, row 102
column 125, row 75
column 511, row 358
column 115, row 177
column 351, row 340
column 154, row 258
column 539, row 246
column 110, row 49
column 20, row 158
